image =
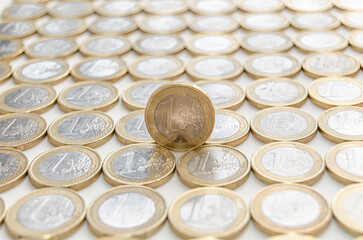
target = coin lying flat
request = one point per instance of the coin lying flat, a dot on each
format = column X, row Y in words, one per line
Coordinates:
column 341, row 124
column 352, row 20
column 261, row 6
column 356, row 40
column 264, row 22
column 284, row 208
column 320, row 41
column 71, row 10
column 276, row 92
column 62, row 27
column 179, row 116
column 213, row 166
column 113, row 26
column 266, row 42
column 51, row 48
column 165, row 7
column 213, row 24
column 350, row 5
column 208, row 211
column 283, row 124
column 308, row 5
column 5, row 71
column 163, row 24
column 105, row 46
column 118, row 8
column 314, row 21
column 159, row 44
column 87, row 128
column 46, row 213
column 2, row 210
column 10, row 49
column 212, row 7
column 16, row 29
column 31, row 1
column 139, row 164
column 127, row 211
column 292, row 236
column 24, row 11
column 336, row 91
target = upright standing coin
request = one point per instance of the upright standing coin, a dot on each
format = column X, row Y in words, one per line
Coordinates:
column 180, row 116
column 212, row 44
column 308, row 5
column 10, row 49
column 208, row 211
column 127, row 211
column 113, row 26
column 212, row 7
column 352, row 20
column 158, row 44
column 292, row 236
column 264, row 22
column 213, row 166
column 320, row 41
column 62, row 27
column 88, row 128
column 213, row 24
column 287, row 162
column 74, row 167
column 351, row 5
column 163, row 24
column 14, row 166
column 261, row 6
column 2, row 210
column 105, row 46
column 5, row 71
column 27, row 98
column 284, row 208
column 22, row 130
column 16, row 29
column 51, row 48
column 266, row 42
column 283, row 124
column 356, row 40
column 71, row 9
column 118, row 8
column 139, row 164
column 165, row 7
column 276, row 92
column 46, row 213
column 341, row 124
column 314, row 21
column 24, row 11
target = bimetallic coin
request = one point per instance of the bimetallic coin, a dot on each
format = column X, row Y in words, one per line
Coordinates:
column 87, row 128
column 159, row 44
column 37, row 98
column 139, row 164
column 308, row 5
column 85, row 96
column 356, row 40
column 47, row 71
column 163, row 24
column 16, row 29
column 292, row 236
column 5, row 71
column 287, row 162
column 118, row 8
column 212, row 44
column 165, row 7
column 284, row 208
column 99, row 69
column 349, row 5
column 24, row 11
column 208, row 211
column 283, row 124
column 264, row 22
column 73, row 167
column 265, row 42
column 261, row 6
column 213, row 24
column 314, row 21
column 10, row 49
column 62, row 27
column 179, row 116
column 352, row 19
column 71, row 10
column 336, row 91
column 105, row 46
column 212, row 7
column 320, row 41
column 31, row 1
column 276, row 92
column 22, row 130
column 2, row 210
column 113, row 26
column 156, row 68
column 13, row 169
column 341, row 124
column 51, row 213
column 51, row 48
column 127, row 211
column 213, row 166
column 272, row 65
column 330, row 64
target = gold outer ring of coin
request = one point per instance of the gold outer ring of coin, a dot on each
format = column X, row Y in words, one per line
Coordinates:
column 115, row 237
column 335, row 171
column 308, row 178
column 295, row 24
column 17, row 230
column 262, row 135
column 257, row 102
column 338, row 4
column 18, row 175
column 309, row 71
column 82, row 28
column 245, row 25
column 147, row 229
column 308, row 49
column 30, row 52
column 250, row 49
column 143, row 26
column 344, row 220
column 89, row 52
column 230, row 182
column 353, row 40
column 195, row 51
column 41, row 108
column 344, row 18
column 157, row 179
column 190, row 91
column 295, row 8
column 106, row 105
column 32, row 29
column 2, row 210
column 6, row 13
column 18, row 51
column 193, row 26
column 56, row 139
column 292, row 236
column 329, row 133
column 271, row 228
column 6, row 73
column 231, row 231
column 54, row 12
column 137, row 75
column 100, row 11
column 34, row 139
column 139, row 49
column 322, row 102
column 146, row 7
column 194, row 8
column 194, row 75
column 78, row 76
column 239, row 136
column 86, row 179
column 279, row 6
column 19, row 78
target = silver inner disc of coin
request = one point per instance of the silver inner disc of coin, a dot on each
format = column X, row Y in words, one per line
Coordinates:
column 42, row 70
column 321, row 40
column 339, row 91
column 7, row 47
column 113, row 24
column 355, row 18
column 213, row 6
column 315, row 20
column 164, row 23
column 266, row 41
column 88, row 95
column 8, row 165
column 284, row 123
column 106, row 44
column 273, row 64
column 25, row 10
column 214, row 67
column 212, row 43
column 213, row 23
column 261, row 5
column 17, row 129
column 119, row 6
column 166, row 5
column 225, row 126
column 276, row 91
column 347, row 122
column 358, row 37
column 309, row 4
column 331, row 63
column 352, row 4
column 60, row 26
column 156, row 66
column 71, row 8
column 142, row 93
column 81, row 127
column 350, row 160
column 264, row 20
column 219, row 93
column 26, row 97
column 98, row 68
column 136, row 127
column 353, row 206
column 14, row 27
column 53, row 46
column 159, row 43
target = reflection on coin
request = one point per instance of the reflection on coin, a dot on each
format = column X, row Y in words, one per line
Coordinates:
column 179, row 116
column 283, row 124
column 127, row 211
column 31, row 1
column 349, row 5
column 287, row 162
column 113, row 26
column 2, row 210
column 24, row 11
column 330, row 64
column 139, row 164
column 163, row 24
column 212, row 44
column 5, row 71
column 347, row 208
column 208, row 211
column 336, row 91
column 264, row 22
column 320, row 41
column 272, row 65
column 292, row 236
column 87, row 128
column 356, row 40
column 118, row 8
column 165, row 7
column 46, row 213
column 261, row 6
column 276, row 92
column 99, row 69
column 71, row 10
column 158, row 44
column 310, row 21
column 341, row 124
column 62, row 27
column 213, row 166
column 212, row 7
column 13, row 169
column 10, row 49
column 265, row 42
column 308, row 5
column 284, row 208
column 352, row 20
column 105, row 46
column 214, row 68
column 213, row 24
column 51, row 48
column 156, row 67
column 16, row 29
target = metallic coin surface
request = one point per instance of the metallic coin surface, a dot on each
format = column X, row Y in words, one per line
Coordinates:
column 208, row 211
column 356, row 40
column 212, row 44
column 158, row 44
column 180, row 116
column 314, row 21
column 105, row 46
column 51, row 48
column 212, row 7
column 16, row 29
column 113, row 26
column 213, row 24
column 71, row 10
column 352, row 20
column 62, row 27
column 118, row 8
column 264, row 22
column 261, row 6
column 266, row 42
column 5, row 71
column 163, row 24
column 320, row 41
column 10, row 49
column 165, row 7
column 308, row 5
column 349, row 5
column 292, row 236
column 2, row 210
column 24, row 11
